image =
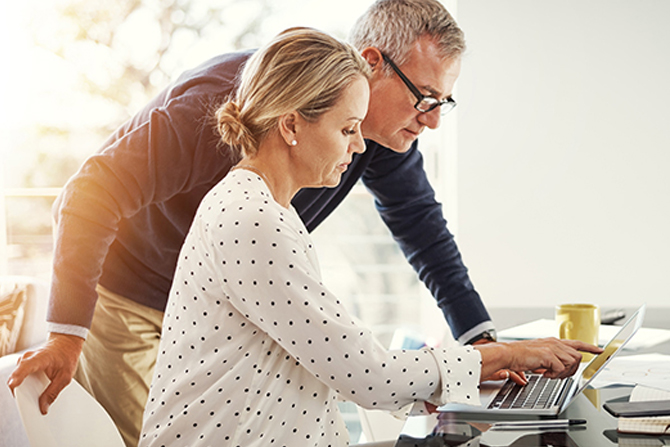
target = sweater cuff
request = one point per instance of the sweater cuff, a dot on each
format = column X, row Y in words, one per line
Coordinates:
column 67, row 329
column 481, row 327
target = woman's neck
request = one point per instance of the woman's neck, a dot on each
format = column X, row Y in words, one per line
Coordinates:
column 271, row 164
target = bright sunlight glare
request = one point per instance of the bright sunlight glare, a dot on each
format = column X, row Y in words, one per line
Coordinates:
column 49, row 86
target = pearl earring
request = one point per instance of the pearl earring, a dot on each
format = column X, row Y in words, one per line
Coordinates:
column 294, row 143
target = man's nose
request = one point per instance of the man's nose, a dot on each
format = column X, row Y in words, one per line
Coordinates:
column 430, row 119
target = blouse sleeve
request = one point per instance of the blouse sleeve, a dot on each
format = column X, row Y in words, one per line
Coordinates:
column 270, row 275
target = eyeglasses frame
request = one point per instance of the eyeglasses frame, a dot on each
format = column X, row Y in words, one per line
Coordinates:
column 418, row 95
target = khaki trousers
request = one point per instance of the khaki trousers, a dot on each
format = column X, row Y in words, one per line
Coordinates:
column 118, row 359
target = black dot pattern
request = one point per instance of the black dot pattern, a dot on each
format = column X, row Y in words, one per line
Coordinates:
column 256, row 351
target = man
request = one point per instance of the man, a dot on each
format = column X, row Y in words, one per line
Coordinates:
column 121, row 220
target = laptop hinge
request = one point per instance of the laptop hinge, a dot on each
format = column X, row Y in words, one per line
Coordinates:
column 566, row 389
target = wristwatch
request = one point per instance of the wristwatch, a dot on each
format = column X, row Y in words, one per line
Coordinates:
column 488, row 335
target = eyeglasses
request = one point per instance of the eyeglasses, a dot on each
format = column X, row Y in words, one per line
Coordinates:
column 424, row 103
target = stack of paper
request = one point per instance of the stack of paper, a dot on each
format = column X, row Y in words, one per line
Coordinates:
column 658, row 425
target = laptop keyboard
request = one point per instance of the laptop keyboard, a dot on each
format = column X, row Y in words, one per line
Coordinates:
column 539, row 392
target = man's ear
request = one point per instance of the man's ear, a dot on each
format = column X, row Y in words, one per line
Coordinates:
column 288, row 126
column 374, row 58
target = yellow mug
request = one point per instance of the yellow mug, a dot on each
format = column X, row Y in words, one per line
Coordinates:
column 579, row 322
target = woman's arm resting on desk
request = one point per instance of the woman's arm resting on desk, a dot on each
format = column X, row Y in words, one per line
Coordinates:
column 559, row 358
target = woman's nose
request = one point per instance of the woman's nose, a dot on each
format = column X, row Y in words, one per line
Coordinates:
column 358, row 146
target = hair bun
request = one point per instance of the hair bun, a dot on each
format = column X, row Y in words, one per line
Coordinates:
column 232, row 129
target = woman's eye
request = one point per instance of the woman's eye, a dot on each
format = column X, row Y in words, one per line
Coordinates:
column 349, row 131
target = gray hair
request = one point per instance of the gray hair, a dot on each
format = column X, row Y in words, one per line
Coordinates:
column 393, row 26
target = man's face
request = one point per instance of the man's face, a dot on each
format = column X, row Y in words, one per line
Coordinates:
column 392, row 120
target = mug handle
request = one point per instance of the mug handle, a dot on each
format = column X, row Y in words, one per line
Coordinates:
column 564, row 327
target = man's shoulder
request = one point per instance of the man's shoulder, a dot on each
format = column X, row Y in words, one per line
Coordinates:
column 226, row 65
column 216, row 77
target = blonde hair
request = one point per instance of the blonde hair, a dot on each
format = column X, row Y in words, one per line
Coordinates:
column 392, row 26
column 301, row 70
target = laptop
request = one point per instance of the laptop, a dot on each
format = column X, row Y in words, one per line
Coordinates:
column 543, row 396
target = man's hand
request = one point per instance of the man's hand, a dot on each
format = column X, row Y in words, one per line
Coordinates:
column 57, row 358
column 503, row 374
column 557, row 358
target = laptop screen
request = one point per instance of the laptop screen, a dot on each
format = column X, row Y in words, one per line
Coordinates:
column 622, row 337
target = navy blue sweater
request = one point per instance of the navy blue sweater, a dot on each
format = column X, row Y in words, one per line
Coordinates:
column 121, row 220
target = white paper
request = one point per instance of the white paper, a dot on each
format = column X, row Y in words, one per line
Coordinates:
column 650, row 370
column 645, row 393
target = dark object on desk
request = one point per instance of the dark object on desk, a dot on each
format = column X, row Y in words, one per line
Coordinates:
column 612, row 316
column 551, row 439
column 631, row 439
column 435, row 440
column 548, row 439
column 639, row 408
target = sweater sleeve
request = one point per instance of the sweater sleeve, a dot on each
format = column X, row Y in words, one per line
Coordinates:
column 406, row 202
column 165, row 153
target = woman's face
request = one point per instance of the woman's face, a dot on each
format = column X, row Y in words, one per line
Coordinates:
column 325, row 147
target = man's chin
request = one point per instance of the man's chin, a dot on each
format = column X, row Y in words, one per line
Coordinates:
column 401, row 150
column 400, row 145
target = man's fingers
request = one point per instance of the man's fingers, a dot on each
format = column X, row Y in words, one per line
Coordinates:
column 551, row 357
column 57, row 359
column 45, row 402
column 26, row 365
column 51, row 392
column 555, row 368
column 563, row 365
column 565, row 356
column 584, row 347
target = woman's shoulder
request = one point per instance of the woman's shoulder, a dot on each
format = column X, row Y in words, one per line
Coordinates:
column 245, row 194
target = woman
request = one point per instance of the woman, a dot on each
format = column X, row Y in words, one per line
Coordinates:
column 255, row 349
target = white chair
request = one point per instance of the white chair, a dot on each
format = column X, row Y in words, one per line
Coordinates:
column 75, row 419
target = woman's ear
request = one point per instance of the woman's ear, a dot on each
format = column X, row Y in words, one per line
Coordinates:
column 288, row 127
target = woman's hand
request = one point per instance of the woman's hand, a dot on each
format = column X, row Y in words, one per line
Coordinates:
column 504, row 374
column 557, row 358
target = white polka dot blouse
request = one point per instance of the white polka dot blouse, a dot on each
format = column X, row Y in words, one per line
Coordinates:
column 256, row 351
